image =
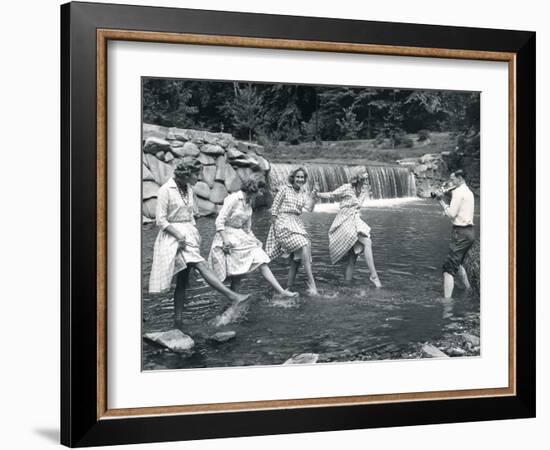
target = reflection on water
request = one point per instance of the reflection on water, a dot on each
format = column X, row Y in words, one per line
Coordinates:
column 346, row 322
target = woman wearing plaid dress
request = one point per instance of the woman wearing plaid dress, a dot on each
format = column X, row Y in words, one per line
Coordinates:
column 287, row 236
column 235, row 250
column 177, row 247
column 348, row 234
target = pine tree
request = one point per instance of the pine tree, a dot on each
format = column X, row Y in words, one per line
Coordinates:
column 246, row 109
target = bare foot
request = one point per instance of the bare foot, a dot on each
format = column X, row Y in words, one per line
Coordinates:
column 290, row 294
column 313, row 291
column 376, row 281
column 239, row 298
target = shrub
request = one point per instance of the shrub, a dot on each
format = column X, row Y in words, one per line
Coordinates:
column 406, row 142
column 423, row 135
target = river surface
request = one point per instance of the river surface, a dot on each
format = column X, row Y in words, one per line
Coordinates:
column 345, row 323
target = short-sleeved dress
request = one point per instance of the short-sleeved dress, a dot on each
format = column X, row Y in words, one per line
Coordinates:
column 348, row 231
column 246, row 254
column 176, row 208
column 287, row 233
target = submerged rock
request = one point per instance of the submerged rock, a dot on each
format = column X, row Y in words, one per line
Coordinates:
column 223, row 336
column 474, row 340
column 174, row 340
column 303, row 358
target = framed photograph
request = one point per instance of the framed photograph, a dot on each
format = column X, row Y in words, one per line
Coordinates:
column 279, row 224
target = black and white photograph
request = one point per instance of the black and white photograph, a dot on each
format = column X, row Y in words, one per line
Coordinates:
column 308, row 224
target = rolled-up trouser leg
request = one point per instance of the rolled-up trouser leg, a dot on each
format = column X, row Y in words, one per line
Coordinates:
column 462, row 239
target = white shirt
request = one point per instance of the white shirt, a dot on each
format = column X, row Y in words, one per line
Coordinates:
column 461, row 209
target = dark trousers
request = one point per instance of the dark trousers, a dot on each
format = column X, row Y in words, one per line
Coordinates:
column 462, row 239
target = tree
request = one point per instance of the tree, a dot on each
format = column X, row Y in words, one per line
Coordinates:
column 245, row 110
column 166, row 102
column 348, row 124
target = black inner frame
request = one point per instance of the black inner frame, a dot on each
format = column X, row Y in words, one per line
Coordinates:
column 79, row 424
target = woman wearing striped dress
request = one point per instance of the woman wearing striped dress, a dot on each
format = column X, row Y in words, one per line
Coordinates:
column 177, row 247
column 348, row 234
column 287, row 236
column 235, row 250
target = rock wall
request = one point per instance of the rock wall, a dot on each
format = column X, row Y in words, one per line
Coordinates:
column 226, row 162
column 429, row 170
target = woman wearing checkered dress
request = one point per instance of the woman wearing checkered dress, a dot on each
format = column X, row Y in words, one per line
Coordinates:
column 348, row 234
column 177, row 247
column 235, row 250
column 287, row 236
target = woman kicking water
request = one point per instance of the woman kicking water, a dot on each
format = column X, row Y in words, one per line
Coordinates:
column 287, row 236
column 177, row 247
column 348, row 234
column 235, row 250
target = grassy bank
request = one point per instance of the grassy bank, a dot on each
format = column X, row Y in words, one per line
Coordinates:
column 356, row 151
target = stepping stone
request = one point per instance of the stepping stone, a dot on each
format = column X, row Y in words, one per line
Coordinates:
column 223, row 336
column 302, row 358
column 433, row 352
column 174, row 340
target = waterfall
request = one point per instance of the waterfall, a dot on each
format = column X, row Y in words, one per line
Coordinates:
column 385, row 181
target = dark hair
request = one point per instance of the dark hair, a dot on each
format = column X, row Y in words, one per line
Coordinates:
column 294, row 172
column 187, row 167
column 459, row 173
column 251, row 186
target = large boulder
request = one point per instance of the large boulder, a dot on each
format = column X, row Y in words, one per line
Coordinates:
column 244, row 173
column 206, row 207
column 206, row 160
column 232, row 180
column 220, row 168
column 187, row 149
column 218, row 193
column 264, row 164
column 154, row 145
column 211, row 149
column 160, row 170
column 233, row 153
column 146, row 174
column 150, row 189
column 249, row 147
column 208, row 175
column 149, row 208
column 202, row 189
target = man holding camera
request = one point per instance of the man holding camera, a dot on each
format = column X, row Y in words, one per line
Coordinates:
column 461, row 213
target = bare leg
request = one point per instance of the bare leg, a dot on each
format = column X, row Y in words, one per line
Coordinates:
column 236, row 283
column 306, row 259
column 464, row 277
column 448, row 285
column 182, row 281
column 370, row 262
column 268, row 275
column 211, row 278
column 352, row 258
column 292, row 271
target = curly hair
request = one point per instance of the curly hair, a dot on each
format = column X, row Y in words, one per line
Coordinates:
column 292, row 174
column 251, row 186
column 187, row 167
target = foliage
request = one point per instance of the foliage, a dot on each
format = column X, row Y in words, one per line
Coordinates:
column 245, row 110
column 295, row 113
column 167, row 103
column 348, row 124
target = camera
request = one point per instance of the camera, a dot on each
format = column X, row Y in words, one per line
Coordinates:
column 446, row 187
